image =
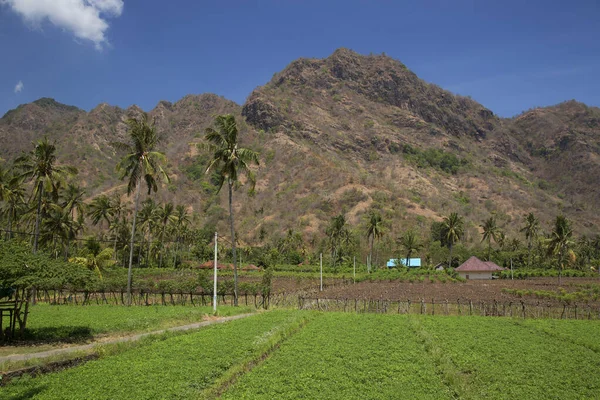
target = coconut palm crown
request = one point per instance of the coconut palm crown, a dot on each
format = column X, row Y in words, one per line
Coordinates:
column 229, row 160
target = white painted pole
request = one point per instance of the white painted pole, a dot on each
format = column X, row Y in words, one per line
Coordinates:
column 354, row 273
column 321, row 262
column 215, row 278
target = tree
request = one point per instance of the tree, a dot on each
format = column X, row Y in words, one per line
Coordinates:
column 148, row 219
column 101, row 209
column 374, row 231
column 166, row 219
column 560, row 243
column 229, row 161
column 115, row 223
column 410, row 243
column 12, row 194
column 72, row 197
column 452, row 232
column 530, row 229
column 40, row 167
column 182, row 220
column 336, row 232
column 96, row 259
column 490, row 231
column 141, row 162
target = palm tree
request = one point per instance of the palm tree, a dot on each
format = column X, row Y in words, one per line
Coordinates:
column 182, row 220
column 40, row 167
column 560, row 242
column 148, row 219
column 410, row 243
column 116, row 211
column 452, row 232
column 229, row 160
column 96, row 258
column 166, row 218
column 73, row 199
column 141, row 162
column 338, row 233
column 5, row 177
column 59, row 223
column 101, row 209
column 490, row 231
column 531, row 228
column 374, row 231
column 12, row 193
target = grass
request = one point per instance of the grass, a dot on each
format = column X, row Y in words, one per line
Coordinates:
column 49, row 324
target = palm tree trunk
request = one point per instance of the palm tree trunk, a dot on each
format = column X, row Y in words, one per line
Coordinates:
column 137, row 196
column 233, row 249
column 115, row 248
column 450, row 257
column 10, row 213
column 176, row 252
column 370, row 253
column 529, row 253
column 37, row 219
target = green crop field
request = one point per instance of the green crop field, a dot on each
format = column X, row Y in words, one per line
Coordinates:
column 297, row 354
column 49, row 326
column 169, row 367
column 346, row 356
column 47, row 322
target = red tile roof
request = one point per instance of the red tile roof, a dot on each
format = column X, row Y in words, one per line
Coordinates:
column 474, row 264
column 211, row 265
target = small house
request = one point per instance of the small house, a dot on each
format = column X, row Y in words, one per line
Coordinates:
column 211, row 265
column 412, row 262
column 474, row 268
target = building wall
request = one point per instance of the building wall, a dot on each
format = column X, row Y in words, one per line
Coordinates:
column 475, row 275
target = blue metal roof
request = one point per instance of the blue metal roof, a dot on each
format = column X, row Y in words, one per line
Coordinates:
column 413, row 262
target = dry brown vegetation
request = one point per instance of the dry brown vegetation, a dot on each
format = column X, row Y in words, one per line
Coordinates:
column 349, row 133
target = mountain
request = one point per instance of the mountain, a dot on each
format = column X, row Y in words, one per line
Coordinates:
column 347, row 134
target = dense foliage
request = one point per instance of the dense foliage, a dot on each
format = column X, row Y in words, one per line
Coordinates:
column 20, row 268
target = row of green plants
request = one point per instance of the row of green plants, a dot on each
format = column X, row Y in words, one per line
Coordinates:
column 413, row 275
column 539, row 272
column 345, row 356
column 184, row 366
column 507, row 359
column 68, row 323
column 561, row 295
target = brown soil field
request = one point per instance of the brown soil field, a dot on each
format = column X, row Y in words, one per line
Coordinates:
column 488, row 290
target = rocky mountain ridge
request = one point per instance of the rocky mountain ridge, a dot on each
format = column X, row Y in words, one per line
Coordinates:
column 347, row 134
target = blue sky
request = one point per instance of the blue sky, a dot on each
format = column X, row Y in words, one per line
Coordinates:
column 508, row 55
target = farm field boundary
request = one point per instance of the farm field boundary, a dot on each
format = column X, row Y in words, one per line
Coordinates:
column 521, row 309
column 92, row 346
column 139, row 298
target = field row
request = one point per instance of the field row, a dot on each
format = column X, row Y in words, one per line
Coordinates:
column 297, row 354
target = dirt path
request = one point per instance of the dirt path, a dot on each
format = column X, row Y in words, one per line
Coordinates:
column 49, row 353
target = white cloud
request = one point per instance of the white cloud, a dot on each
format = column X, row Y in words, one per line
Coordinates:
column 18, row 87
column 86, row 19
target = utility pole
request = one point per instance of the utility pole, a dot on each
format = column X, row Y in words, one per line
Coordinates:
column 215, row 277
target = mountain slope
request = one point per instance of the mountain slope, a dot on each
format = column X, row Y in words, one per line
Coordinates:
column 349, row 133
